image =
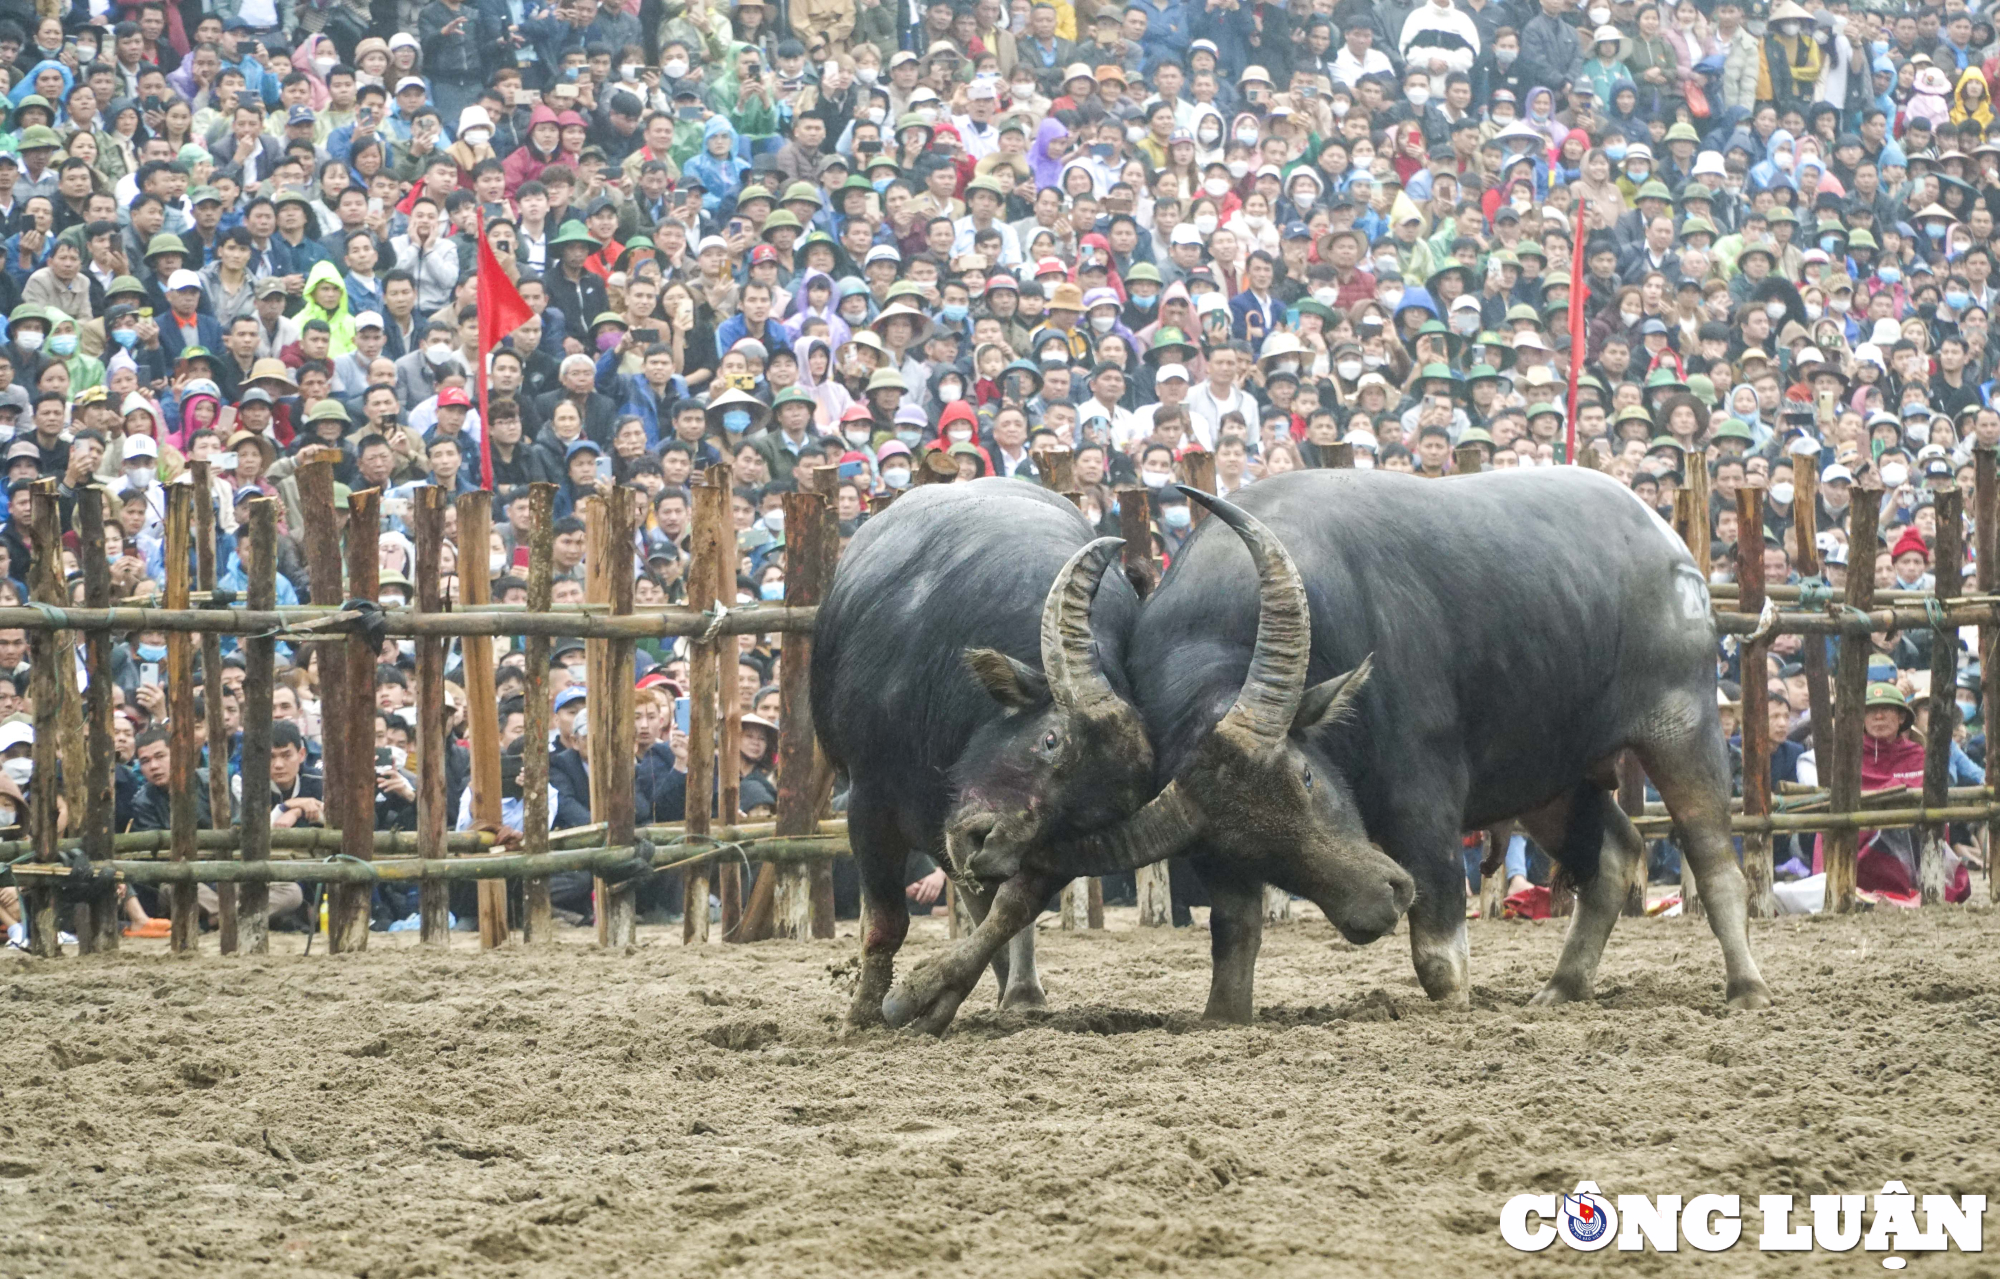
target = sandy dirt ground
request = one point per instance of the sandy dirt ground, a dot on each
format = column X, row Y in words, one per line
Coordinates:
column 672, row 1112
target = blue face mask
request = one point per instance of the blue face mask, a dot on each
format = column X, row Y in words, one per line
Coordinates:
column 152, row 652
column 736, row 421
column 1831, row 243
column 910, row 439
column 1145, row 304
column 1176, row 516
column 1934, row 231
column 952, row 313
column 1889, row 274
column 127, row 338
column 1616, row 151
column 881, row 185
column 1957, row 299
column 772, row 590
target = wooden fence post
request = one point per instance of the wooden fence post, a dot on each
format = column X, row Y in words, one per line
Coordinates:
column 1691, row 508
column 348, row 907
column 1805, row 497
column 1985, row 496
column 1198, row 466
column 805, row 586
column 215, row 738
column 712, row 546
column 1849, row 695
column 1151, row 883
column 1337, row 457
column 433, row 896
column 1947, row 568
column 482, row 712
column 1468, row 459
column 260, row 567
column 1752, row 661
column 1058, row 468
column 185, row 815
column 537, row 915
column 615, row 736
column 728, row 872
column 323, row 566
column 51, row 666
column 97, row 927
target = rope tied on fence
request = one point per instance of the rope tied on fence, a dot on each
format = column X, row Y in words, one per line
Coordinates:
column 1934, row 614
column 1767, row 624
column 713, row 617
column 50, row 613
column 1815, row 593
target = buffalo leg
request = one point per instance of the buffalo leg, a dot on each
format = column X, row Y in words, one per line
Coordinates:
column 1439, row 946
column 1235, row 934
column 1598, row 903
column 1691, row 777
column 928, row 996
column 1014, row 965
column 879, row 853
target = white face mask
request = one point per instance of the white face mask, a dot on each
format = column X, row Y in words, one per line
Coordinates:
column 1239, row 169
column 867, row 75
column 1418, row 96
column 475, row 136
column 1326, row 297
column 141, row 476
column 496, row 563
column 857, row 435
column 959, row 434
column 1103, row 323
column 1348, row 369
column 19, row 771
column 896, row 477
column 1151, row 479
column 678, row 67
column 1600, row 17
column 437, row 353
column 29, row 340
column 1776, row 310
column 1781, row 493
column 321, row 64
column 1205, row 222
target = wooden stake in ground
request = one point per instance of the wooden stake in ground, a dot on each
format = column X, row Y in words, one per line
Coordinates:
column 260, row 566
column 323, row 566
column 97, row 926
column 211, row 687
column 1986, row 545
column 712, row 545
column 617, row 906
column 348, row 906
column 1752, row 659
column 182, row 745
column 1691, row 507
column 1947, row 568
column 482, row 711
column 805, row 585
column 728, row 872
column 538, row 918
column 433, row 896
column 1850, row 691
column 51, row 667
column 1152, row 883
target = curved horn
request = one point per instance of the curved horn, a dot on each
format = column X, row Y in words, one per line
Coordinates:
column 1069, row 655
column 1166, row 825
column 1276, row 680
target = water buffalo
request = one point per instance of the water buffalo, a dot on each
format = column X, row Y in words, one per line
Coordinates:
column 1378, row 662
column 948, row 677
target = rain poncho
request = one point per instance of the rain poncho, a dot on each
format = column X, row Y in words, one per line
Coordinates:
column 721, row 177
column 338, row 320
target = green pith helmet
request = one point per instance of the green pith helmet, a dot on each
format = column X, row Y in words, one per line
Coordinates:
column 1732, row 429
column 1886, row 694
column 1654, row 189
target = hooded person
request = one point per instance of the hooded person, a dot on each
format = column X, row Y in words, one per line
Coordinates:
column 717, row 166
column 1211, row 136
column 26, row 84
column 1043, row 162
column 802, row 309
column 829, row 396
column 474, row 142
column 315, row 56
column 540, row 149
column 1972, row 99
column 326, row 299
column 64, row 344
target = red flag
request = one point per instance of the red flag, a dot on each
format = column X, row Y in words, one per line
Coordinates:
column 1577, row 291
column 501, row 311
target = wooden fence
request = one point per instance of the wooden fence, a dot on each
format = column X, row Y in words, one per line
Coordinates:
column 792, row 893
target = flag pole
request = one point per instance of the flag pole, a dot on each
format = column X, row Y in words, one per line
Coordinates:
column 1577, row 290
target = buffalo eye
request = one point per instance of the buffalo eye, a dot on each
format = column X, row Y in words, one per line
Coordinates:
column 1307, row 778
column 1049, row 740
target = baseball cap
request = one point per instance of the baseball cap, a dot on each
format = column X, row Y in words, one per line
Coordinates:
column 453, row 396
column 183, row 279
column 365, row 320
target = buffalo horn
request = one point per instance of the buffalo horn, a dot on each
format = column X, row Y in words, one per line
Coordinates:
column 1069, row 657
column 1269, row 700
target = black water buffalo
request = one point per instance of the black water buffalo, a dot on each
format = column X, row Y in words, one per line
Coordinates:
column 1358, row 662
column 947, row 675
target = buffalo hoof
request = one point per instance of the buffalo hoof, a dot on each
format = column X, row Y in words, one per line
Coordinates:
column 921, row 1002
column 1024, row 997
column 1750, row 996
column 1557, row 992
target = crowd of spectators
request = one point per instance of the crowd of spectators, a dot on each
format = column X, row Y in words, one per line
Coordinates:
column 955, row 233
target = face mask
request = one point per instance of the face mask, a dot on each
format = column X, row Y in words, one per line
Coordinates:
column 1813, row 311
column 1467, row 324
column 1505, row 57
column 1781, row 493
column 959, row 434
column 950, row 392
column 881, row 185
column 866, row 75
column 1895, row 475
column 675, row 68
column 1326, row 297
column 142, row 476
column 1374, row 361
column 857, row 435
column 1889, row 274
column 1783, row 160
column 1348, row 369
column 1102, row 324
column 1154, row 479
column 1838, row 305
column 65, row 344
column 929, row 114
column 772, row 591
column 1776, row 310
column 475, row 136
column 1968, row 712
column 496, row 563
column 1391, row 298
column 28, row 340
column 152, row 652
column 438, row 353
column 606, row 341
column 1248, row 137
column 1616, row 151
column 1956, row 299
column 1145, row 304
column 1209, row 137
column 1638, row 172
column 736, row 421
column 1205, row 222
column 127, row 338
column 1288, row 366
column 909, row 437
column 896, row 477
column 1177, row 516
column 322, row 65
column 1600, row 17
column 1239, row 169
column 19, row 771
column 1418, row 96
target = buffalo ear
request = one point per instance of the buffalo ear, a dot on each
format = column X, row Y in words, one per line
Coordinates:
column 1013, row 684
column 1335, row 700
